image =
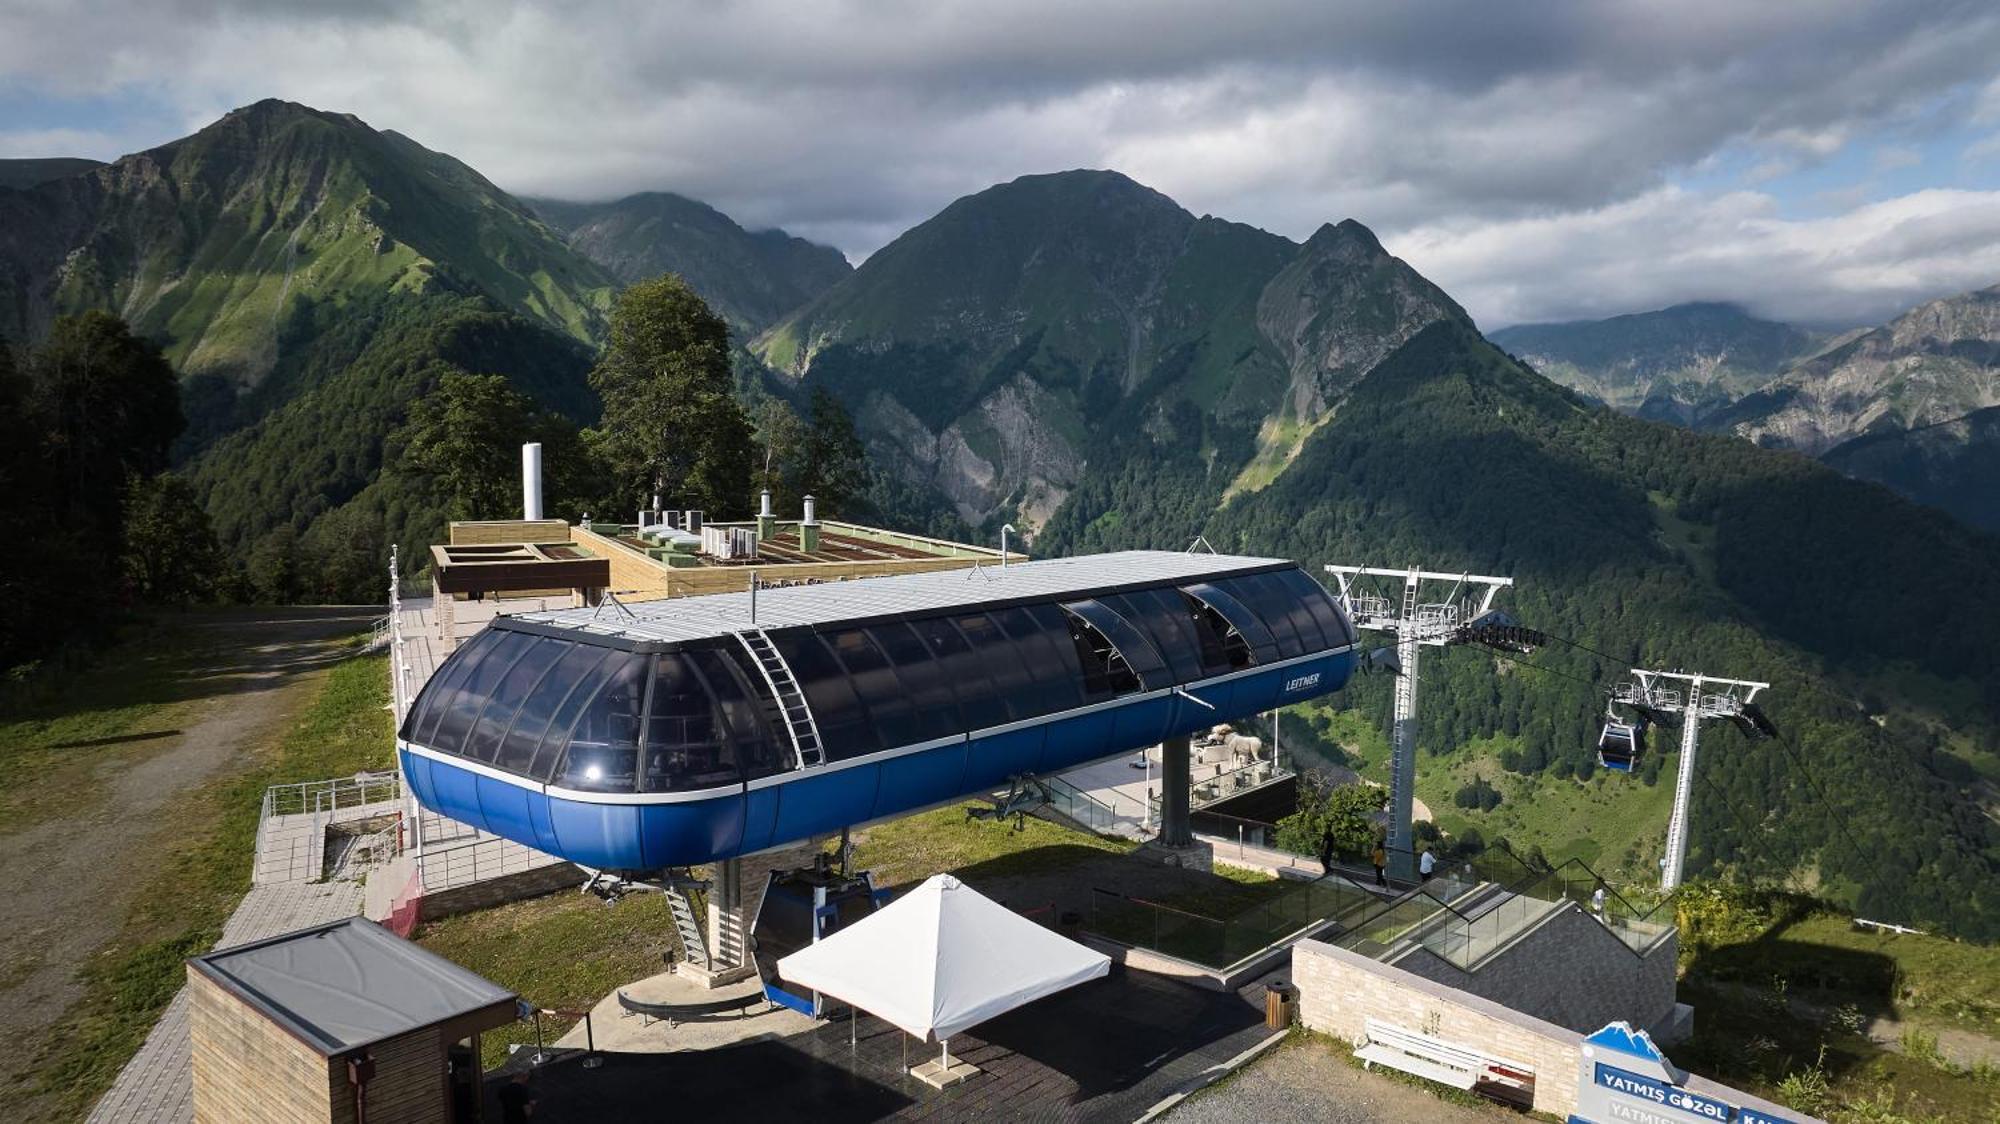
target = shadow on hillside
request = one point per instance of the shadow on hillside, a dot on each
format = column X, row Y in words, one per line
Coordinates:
column 197, row 655
column 1771, row 1005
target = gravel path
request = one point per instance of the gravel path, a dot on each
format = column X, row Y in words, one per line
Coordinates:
column 68, row 882
column 1307, row 1081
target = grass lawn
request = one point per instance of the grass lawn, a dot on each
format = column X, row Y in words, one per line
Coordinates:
column 204, row 873
column 566, row 950
column 913, row 848
column 51, row 746
column 569, row 950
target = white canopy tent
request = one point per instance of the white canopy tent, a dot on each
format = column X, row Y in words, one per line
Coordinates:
column 940, row 959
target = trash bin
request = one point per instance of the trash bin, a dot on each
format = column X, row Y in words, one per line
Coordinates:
column 1280, row 1004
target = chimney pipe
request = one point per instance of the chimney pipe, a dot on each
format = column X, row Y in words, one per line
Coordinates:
column 531, row 480
column 809, row 530
column 767, row 520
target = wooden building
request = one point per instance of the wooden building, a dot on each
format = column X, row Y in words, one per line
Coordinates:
column 344, row 1023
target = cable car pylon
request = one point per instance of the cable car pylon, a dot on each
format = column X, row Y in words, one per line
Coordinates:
column 1659, row 699
column 1368, row 595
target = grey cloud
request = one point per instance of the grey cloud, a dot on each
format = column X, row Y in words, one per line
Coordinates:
column 850, row 121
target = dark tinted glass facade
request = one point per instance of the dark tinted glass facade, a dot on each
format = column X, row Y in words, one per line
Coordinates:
column 593, row 718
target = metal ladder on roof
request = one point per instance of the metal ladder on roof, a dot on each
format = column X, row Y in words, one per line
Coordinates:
column 791, row 698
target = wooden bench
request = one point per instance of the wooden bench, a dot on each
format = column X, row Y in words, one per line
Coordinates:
column 1446, row 1063
column 674, row 1014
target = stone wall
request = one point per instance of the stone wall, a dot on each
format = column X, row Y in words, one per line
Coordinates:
column 490, row 892
column 1340, row 990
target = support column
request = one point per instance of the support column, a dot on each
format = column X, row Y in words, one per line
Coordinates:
column 726, row 938
column 726, row 929
column 1403, row 760
column 1176, row 828
column 1677, row 826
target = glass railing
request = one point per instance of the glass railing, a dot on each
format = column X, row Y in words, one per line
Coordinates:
column 1085, row 809
column 1221, row 942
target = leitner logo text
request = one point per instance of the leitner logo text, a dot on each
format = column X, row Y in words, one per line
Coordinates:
column 1301, row 683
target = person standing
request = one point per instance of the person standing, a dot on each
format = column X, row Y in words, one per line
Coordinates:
column 1426, row 864
column 1326, row 851
column 1381, row 860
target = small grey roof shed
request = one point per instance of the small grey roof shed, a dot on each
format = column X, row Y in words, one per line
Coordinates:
column 339, row 1022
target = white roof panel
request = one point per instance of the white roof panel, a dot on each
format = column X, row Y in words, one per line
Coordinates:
column 682, row 619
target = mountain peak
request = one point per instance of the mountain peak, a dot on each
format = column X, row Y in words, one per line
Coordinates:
column 1346, row 233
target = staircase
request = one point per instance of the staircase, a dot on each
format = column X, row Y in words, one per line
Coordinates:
column 792, row 708
column 693, row 943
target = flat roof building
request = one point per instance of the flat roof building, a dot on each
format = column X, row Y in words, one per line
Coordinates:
column 341, row 1023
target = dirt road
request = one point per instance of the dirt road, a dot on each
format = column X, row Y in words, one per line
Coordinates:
column 69, row 880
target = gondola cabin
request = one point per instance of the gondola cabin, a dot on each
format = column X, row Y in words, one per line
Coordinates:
column 1620, row 745
column 685, row 731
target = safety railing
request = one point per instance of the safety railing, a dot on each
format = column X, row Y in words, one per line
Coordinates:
column 462, row 864
column 330, row 796
column 1082, row 807
column 1222, row 942
column 1215, row 783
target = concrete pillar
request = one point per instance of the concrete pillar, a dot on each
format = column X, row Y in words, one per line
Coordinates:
column 1176, row 828
column 728, row 939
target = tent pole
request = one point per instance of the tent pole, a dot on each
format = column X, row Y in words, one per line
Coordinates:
column 944, row 1059
column 853, row 1017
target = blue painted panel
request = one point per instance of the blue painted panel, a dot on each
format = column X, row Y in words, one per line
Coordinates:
column 760, row 818
column 418, row 771
column 675, row 834
column 921, row 779
column 538, row 818
column 505, row 807
column 819, row 801
column 1142, row 723
column 1076, row 740
column 991, row 760
column 456, row 793
column 598, row 835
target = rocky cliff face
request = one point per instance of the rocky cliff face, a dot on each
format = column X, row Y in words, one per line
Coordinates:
column 751, row 278
column 994, row 351
column 1340, row 307
column 1937, row 362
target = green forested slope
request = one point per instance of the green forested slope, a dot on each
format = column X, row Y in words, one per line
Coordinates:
column 1871, row 616
column 311, row 470
column 208, row 243
column 751, row 277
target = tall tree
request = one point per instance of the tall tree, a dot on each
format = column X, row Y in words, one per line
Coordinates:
column 466, row 435
column 830, row 464
column 672, row 425
column 170, row 552
column 108, row 405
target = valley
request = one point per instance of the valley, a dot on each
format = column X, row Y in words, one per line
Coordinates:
column 1080, row 356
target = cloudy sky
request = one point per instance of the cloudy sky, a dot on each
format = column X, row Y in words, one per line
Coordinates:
column 1826, row 162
